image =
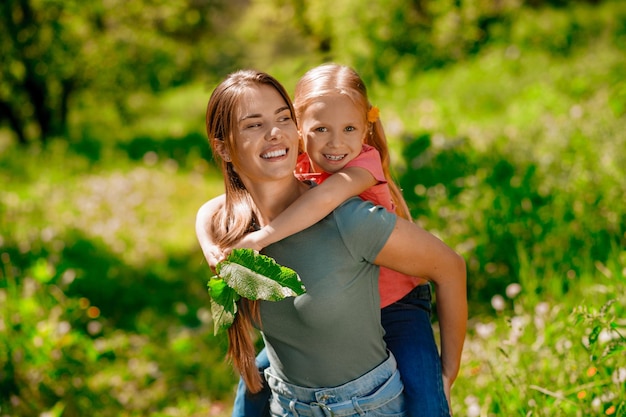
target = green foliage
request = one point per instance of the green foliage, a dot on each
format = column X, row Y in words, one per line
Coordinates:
column 56, row 51
column 514, row 205
column 259, row 277
column 506, row 158
column 423, row 35
column 549, row 356
column 223, row 304
column 103, row 305
column 246, row 273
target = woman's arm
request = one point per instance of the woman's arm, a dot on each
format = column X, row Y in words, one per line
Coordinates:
column 311, row 207
column 413, row 251
column 452, row 313
column 211, row 251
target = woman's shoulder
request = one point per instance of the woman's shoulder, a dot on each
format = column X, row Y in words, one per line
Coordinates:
column 363, row 226
column 353, row 203
column 357, row 210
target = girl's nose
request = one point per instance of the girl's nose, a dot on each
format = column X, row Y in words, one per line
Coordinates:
column 333, row 140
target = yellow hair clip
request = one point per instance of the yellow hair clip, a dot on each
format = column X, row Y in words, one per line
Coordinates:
column 372, row 114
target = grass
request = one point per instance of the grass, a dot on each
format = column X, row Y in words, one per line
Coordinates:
column 547, row 356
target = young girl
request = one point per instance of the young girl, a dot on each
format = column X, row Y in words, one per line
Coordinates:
column 346, row 153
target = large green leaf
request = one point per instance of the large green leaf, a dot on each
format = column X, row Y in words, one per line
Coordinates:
column 223, row 303
column 259, row 277
column 246, row 273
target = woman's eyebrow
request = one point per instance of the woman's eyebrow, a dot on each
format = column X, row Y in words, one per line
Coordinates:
column 252, row 116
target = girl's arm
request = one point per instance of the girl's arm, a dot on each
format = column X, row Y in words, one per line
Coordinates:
column 311, row 207
column 413, row 251
column 211, row 251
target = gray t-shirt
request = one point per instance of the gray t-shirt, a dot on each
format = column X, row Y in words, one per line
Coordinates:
column 331, row 334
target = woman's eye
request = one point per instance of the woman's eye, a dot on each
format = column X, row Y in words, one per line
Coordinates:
column 284, row 116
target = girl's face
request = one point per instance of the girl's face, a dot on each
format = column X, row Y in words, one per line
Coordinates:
column 333, row 129
column 266, row 138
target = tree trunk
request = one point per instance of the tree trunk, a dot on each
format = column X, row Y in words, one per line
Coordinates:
column 14, row 122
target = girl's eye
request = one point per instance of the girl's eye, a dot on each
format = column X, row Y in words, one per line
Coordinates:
column 321, row 129
column 350, row 129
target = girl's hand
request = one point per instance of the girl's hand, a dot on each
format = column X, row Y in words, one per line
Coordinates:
column 213, row 255
column 250, row 241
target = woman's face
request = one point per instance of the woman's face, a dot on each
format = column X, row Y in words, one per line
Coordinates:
column 333, row 129
column 266, row 138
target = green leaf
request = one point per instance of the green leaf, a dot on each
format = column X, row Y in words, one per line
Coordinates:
column 593, row 337
column 246, row 273
column 223, row 304
column 259, row 277
column 42, row 271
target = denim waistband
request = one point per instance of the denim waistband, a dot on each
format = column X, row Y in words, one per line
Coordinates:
column 378, row 386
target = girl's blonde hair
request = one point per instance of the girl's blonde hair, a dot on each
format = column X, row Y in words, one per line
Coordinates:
column 238, row 215
column 331, row 79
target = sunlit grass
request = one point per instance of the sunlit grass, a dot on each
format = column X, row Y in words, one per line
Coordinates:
column 127, row 206
column 546, row 356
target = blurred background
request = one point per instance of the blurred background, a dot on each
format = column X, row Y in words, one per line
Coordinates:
column 507, row 123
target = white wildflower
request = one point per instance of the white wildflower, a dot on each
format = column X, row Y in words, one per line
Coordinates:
column 497, row 302
column 485, row 330
column 596, row 403
column 63, row 328
column 606, row 336
column 512, row 290
column 541, row 309
column 473, row 407
column 619, row 376
column 517, row 328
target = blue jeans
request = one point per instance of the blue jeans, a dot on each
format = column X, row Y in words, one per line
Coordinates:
column 377, row 393
column 409, row 336
column 248, row 404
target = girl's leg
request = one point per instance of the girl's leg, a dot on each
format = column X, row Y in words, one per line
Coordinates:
column 410, row 337
column 248, row 404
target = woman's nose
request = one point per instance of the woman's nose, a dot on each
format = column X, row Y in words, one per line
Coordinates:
column 273, row 133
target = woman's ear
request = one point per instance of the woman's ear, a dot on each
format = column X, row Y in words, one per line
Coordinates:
column 221, row 150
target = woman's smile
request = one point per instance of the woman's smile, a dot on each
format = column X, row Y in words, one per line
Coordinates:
column 267, row 140
column 276, row 153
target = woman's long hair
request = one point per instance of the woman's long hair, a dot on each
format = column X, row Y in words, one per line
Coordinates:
column 238, row 215
column 339, row 79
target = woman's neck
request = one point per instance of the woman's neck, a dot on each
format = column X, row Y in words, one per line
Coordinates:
column 272, row 198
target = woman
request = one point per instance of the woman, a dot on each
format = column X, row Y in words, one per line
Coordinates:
column 325, row 347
